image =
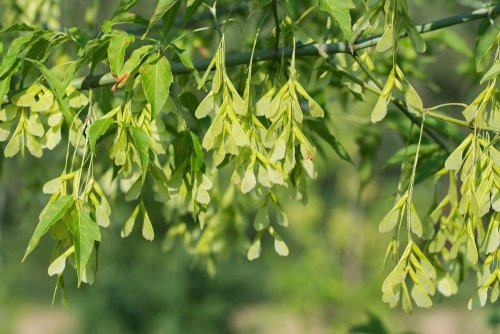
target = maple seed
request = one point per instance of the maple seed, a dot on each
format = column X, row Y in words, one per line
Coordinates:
column 119, row 80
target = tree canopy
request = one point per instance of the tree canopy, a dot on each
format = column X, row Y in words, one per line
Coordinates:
column 220, row 110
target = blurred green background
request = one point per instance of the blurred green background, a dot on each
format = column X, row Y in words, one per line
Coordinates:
column 330, row 282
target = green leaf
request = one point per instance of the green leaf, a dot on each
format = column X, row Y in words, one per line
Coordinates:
column 314, row 108
column 493, row 241
column 239, row 135
column 118, row 44
column 33, row 146
column 57, row 266
column 5, row 129
column 156, row 79
column 52, row 137
column 124, row 6
column 426, row 282
column 495, row 292
column 202, row 197
column 486, row 42
column 52, row 186
column 248, row 182
column 420, row 296
column 380, row 109
column 415, row 224
column 395, row 277
column 479, row 299
column 191, row 7
column 413, row 100
column 495, row 155
column 206, row 106
column 427, row 267
column 417, row 40
column 279, row 150
column 339, row 10
column 279, row 245
column 128, row 18
column 447, row 286
column 4, row 87
column 19, row 26
column 389, row 221
column 254, row 250
column 187, row 61
column 135, row 59
column 170, row 17
column 406, row 301
column 281, row 217
column 98, row 129
column 141, row 144
column 25, row 98
column 58, row 87
column 197, row 154
column 16, row 46
column 161, row 9
column 35, row 126
column 262, row 219
column 50, row 215
column 85, row 231
column 129, row 224
column 147, row 228
column 13, row 146
column 454, row 161
column 319, row 128
column 492, row 73
column 386, row 41
column 472, row 254
column 101, row 216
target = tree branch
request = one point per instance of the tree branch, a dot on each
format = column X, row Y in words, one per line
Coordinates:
column 301, row 51
column 94, row 81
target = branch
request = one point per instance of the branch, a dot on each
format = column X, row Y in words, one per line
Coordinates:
column 301, row 51
column 318, row 50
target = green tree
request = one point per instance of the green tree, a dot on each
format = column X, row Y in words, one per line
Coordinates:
column 219, row 110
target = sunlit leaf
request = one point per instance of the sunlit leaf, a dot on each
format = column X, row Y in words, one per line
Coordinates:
column 156, row 78
column 50, row 215
column 479, row 299
column 118, row 44
column 147, row 228
column 261, row 219
column 129, row 224
column 248, row 182
column 389, row 221
column 162, row 7
column 254, row 250
column 141, row 144
column 97, row 129
column 447, row 286
column 339, row 10
column 420, row 297
column 386, row 41
column 85, row 231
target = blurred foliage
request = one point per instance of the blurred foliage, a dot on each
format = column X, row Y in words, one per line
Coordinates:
column 330, row 282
